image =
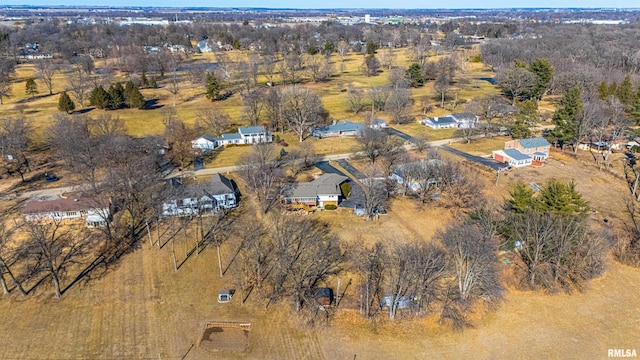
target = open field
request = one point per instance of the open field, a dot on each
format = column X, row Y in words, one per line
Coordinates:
column 482, row 146
column 142, row 308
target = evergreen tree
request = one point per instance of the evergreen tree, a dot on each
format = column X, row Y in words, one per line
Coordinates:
column 625, row 92
column 566, row 116
column 144, row 82
column 371, row 47
column 522, row 198
column 414, row 74
column 561, row 198
column 603, row 90
column 65, row 103
column 31, row 87
column 99, row 98
column 212, row 87
column 133, row 96
column 153, row 83
column 634, row 110
column 543, row 70
column 116, row 96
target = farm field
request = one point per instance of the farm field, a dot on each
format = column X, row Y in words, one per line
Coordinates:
column 142, row 308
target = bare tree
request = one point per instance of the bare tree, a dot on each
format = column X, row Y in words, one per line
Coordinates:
column 290, row 68
column 213, row 120
column 343, row 49
column 516, row 82
column 47, row 69
column 379, row 96
column 79, row 82
column 373, row 142
column 370, row 264
column 302, row 109
column 7, row 72
column 15, row 143
column 318, row 67
column 262, row 171
column 253, row 103
column 355, row 99
column 399, row 105
column 375, row 191
column 55, row 248
column 9, row 254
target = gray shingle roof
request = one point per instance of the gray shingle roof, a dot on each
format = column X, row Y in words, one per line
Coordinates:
column 340, row 126
column 516, row 154
column 219, row 185
column 208, row 137
column 534, row 142
column 251, row 130
column 231, row 137
column 327, row 184
column 442, row 120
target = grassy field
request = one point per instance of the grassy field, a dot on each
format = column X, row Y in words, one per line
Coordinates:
column 483, row 146
column 142, row 308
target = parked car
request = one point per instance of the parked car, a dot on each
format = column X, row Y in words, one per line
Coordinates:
column 50, row 177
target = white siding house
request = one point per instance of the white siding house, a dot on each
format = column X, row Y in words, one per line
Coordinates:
column 186, row 200
column 74, row 207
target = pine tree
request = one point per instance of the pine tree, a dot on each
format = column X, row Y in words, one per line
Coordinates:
column 634, row 111
column 133, row 96
column 371, row 47
column 566, row 116
column 31, row 87
column 625, row 92
column 65, row 103
column 212, row 87
column 561, row 198
column 99, row 98
column 414, row 74
column 144, row 82
column 522, row 199
column 116, row 96
column 543, row 71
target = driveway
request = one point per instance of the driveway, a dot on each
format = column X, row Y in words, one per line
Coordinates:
column 491, row 163
column 400, row 134
column 357, row 194
column 350, row 169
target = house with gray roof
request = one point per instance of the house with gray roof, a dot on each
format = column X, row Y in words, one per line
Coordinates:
column 217, row 194
column 205, row 142
column 337, row 129
column 323, row 191
column 524, row 152
column 460, row 120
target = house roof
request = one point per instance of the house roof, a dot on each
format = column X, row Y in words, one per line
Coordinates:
column 538, row 153
column 327, row 184
column 341, row 126
column 208, row 137
column 219, row 185
column 465, row 116
column 74, row 202
column 441, row 120
column 515, row 154
column 533, row 142
column 234, row 136
column 251, row 130
column 378, row 121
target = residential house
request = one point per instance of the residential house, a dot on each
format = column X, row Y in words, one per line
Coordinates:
column 205, row 142
column 461, row 120
column 402, row 173
column 217, row 194
column 94, row 210
column 337, row 129
column 323, row 191
column 524, row 152
column 245, row 136
column 203, row 46
column 378, row 124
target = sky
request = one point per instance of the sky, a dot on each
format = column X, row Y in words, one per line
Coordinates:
column 324, row 4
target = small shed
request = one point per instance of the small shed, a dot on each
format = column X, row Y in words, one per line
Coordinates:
column 324, row 296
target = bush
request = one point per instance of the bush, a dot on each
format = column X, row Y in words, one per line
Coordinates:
column 330, row 207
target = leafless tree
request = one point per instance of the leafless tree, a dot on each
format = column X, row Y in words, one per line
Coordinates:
column 55, row 248
column 269, row 67
column 627, row 249
column 302, row 109
column 47, row 69
column 355, row 99
column 373, row 142
column 9, row 253
column 301, row 158
column 290, row 68
column 213, row 120
column 179, row 136
column 488, row 108
column 473, row 252
column 379, row 96
column 369, row 264
column 15, row 143
column 262, row 170
column 319, row 67
column 253, row 103
column 388, row 58
column 79, row 82
column 343, row 49
column 173, row 62
column 371, row 65
column 224, row 65
column 399, row 105
column 375, row 191
column 420, row 52
column 7, row 72
column 516, row 82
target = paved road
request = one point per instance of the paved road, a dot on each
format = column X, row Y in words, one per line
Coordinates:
column 491, row 163
column 400, row 134
column 357, row 194
column 351, row 169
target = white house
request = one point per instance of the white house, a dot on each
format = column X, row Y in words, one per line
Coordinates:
column 217, row 194
column 320, row 192
column 378, row 124
column 404, row 174
column 244, row 136
column 73, row 207
column 205, row 142
column 524, row 152
column 203, row 46
column 461, row 120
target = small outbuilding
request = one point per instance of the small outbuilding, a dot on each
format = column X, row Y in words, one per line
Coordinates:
column 225, row 295
column 324, row 296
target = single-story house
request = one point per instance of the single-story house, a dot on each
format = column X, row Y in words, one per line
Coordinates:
column 205, row 142
column 323, row 191
column 94, row 210
column 401, row 173
column 337, row 129
column 216, row 194
column 378, row 124
column 460, row 120
column 524, row 152
column 244, row 136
